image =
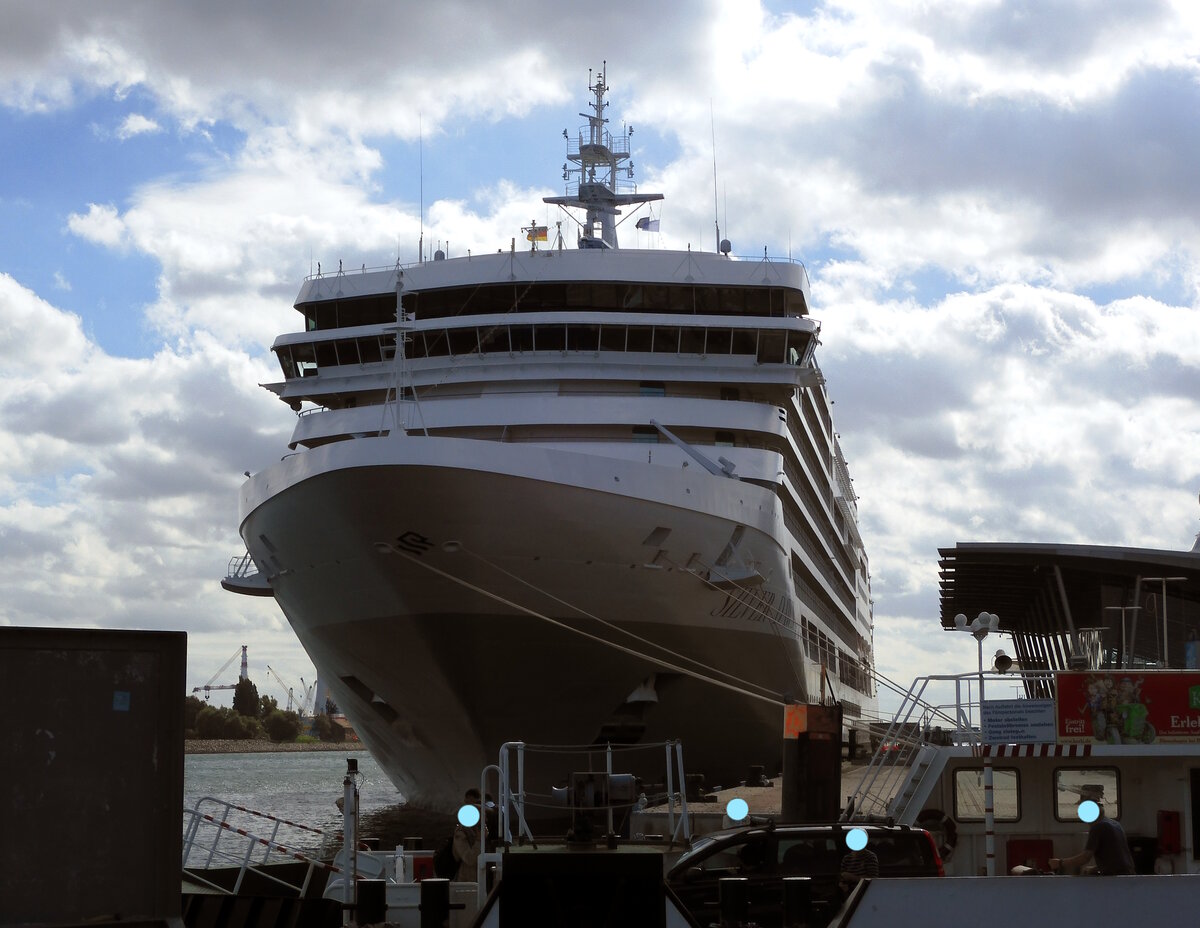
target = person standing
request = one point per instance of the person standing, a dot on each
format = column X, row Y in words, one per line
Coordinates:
column 466, row 843
column 1106, row 842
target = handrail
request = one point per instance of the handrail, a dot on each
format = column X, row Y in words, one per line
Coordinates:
column 404, row 266
column 202, row 847
column 910, row 731
column 241, row 566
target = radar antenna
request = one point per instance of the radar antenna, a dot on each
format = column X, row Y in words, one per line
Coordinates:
column 593, row 184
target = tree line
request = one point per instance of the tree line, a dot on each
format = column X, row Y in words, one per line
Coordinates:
column 253, row 718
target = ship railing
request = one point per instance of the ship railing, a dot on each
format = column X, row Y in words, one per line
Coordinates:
column 608, row 793
column 906, row 759
column 214, row 839
column 242, row 567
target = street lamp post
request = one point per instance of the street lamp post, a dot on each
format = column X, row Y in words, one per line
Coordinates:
column 979, row 627
column 1164, row 581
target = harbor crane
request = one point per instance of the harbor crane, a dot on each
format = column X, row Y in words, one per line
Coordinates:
column 211, row 685
column 310, row 689
column 291, row 695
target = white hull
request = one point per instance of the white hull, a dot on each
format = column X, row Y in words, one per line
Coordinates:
column 452, row 608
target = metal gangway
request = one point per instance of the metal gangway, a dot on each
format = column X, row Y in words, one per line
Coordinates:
column 909, row 758
column 217, row 835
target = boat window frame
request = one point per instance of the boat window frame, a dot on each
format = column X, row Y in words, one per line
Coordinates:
column 978, row 770
column 1112, row 808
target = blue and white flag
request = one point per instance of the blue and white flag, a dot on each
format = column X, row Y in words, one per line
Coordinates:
column 646, row 224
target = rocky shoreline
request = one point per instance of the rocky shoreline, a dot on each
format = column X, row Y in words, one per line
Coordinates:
column 220, row 746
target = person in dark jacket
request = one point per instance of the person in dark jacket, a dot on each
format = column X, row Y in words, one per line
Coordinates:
column 1106, row 842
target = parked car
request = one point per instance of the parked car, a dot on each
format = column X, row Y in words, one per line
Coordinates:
column 764, row 855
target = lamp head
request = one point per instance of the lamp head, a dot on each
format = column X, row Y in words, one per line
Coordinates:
column 1002, row 663
column 984, row 623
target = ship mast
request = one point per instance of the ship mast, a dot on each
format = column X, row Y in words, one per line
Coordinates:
column 599, row 158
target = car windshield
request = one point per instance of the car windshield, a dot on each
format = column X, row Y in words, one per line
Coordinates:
column 698, row 847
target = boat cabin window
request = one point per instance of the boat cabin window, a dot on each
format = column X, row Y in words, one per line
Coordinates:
column 645, row 433
column 335, row 314
column 969, row 795
column 1072, row 785
column 553, row 297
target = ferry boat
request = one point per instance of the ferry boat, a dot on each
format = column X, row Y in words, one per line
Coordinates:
column 1100, row 703
column 570, row 495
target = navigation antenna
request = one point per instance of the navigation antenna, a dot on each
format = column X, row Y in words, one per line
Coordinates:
column 421, row 172
column 716, row 212
column 599, row 157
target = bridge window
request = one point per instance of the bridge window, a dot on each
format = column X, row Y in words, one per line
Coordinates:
column 326, row 354
column 771, row 347
column 550, row 337
column 719, row 341
column 745, row 341
column 612, row 338
column 691, row 341
column 347, row 351
column 640, row 338
column 583, row 337
column 368, row 350
column 666, row 339
column 521, row 337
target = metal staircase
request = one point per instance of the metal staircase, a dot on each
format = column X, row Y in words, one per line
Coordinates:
column 908, row 759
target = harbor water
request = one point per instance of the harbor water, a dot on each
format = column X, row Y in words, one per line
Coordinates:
column 301, row 787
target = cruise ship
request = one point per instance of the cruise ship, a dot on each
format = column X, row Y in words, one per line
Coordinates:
column 567, row 493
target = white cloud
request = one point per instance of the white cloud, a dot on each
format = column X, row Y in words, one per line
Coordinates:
column 118, row 479
column 137, row 124
column 100, row 224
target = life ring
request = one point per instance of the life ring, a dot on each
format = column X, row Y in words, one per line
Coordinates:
column 943, row 830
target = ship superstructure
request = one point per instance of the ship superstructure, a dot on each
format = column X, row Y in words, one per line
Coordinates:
column 564, row 495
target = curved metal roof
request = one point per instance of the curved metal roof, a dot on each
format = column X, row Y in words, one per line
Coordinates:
column 1104, row 605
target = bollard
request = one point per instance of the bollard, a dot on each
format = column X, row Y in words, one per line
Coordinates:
column 734, row 899
column 372, row 902
column 797, row 900
column 435, row 902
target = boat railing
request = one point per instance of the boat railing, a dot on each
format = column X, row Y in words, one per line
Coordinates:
column 905, row 760
column 214, row 837
column 242, row 567
column 399, row 266
column 592, row 792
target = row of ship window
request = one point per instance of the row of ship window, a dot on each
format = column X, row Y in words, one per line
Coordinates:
column 589, row 296
column 768, row 346
column 1006, row 792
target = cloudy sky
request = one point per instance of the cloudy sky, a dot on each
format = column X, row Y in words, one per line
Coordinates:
column 998, row 204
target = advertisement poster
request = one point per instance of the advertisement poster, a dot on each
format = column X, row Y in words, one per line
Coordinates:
column 1128, row 706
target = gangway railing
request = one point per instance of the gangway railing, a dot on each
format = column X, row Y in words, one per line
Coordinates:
column 215, row 839
column 904, row 768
